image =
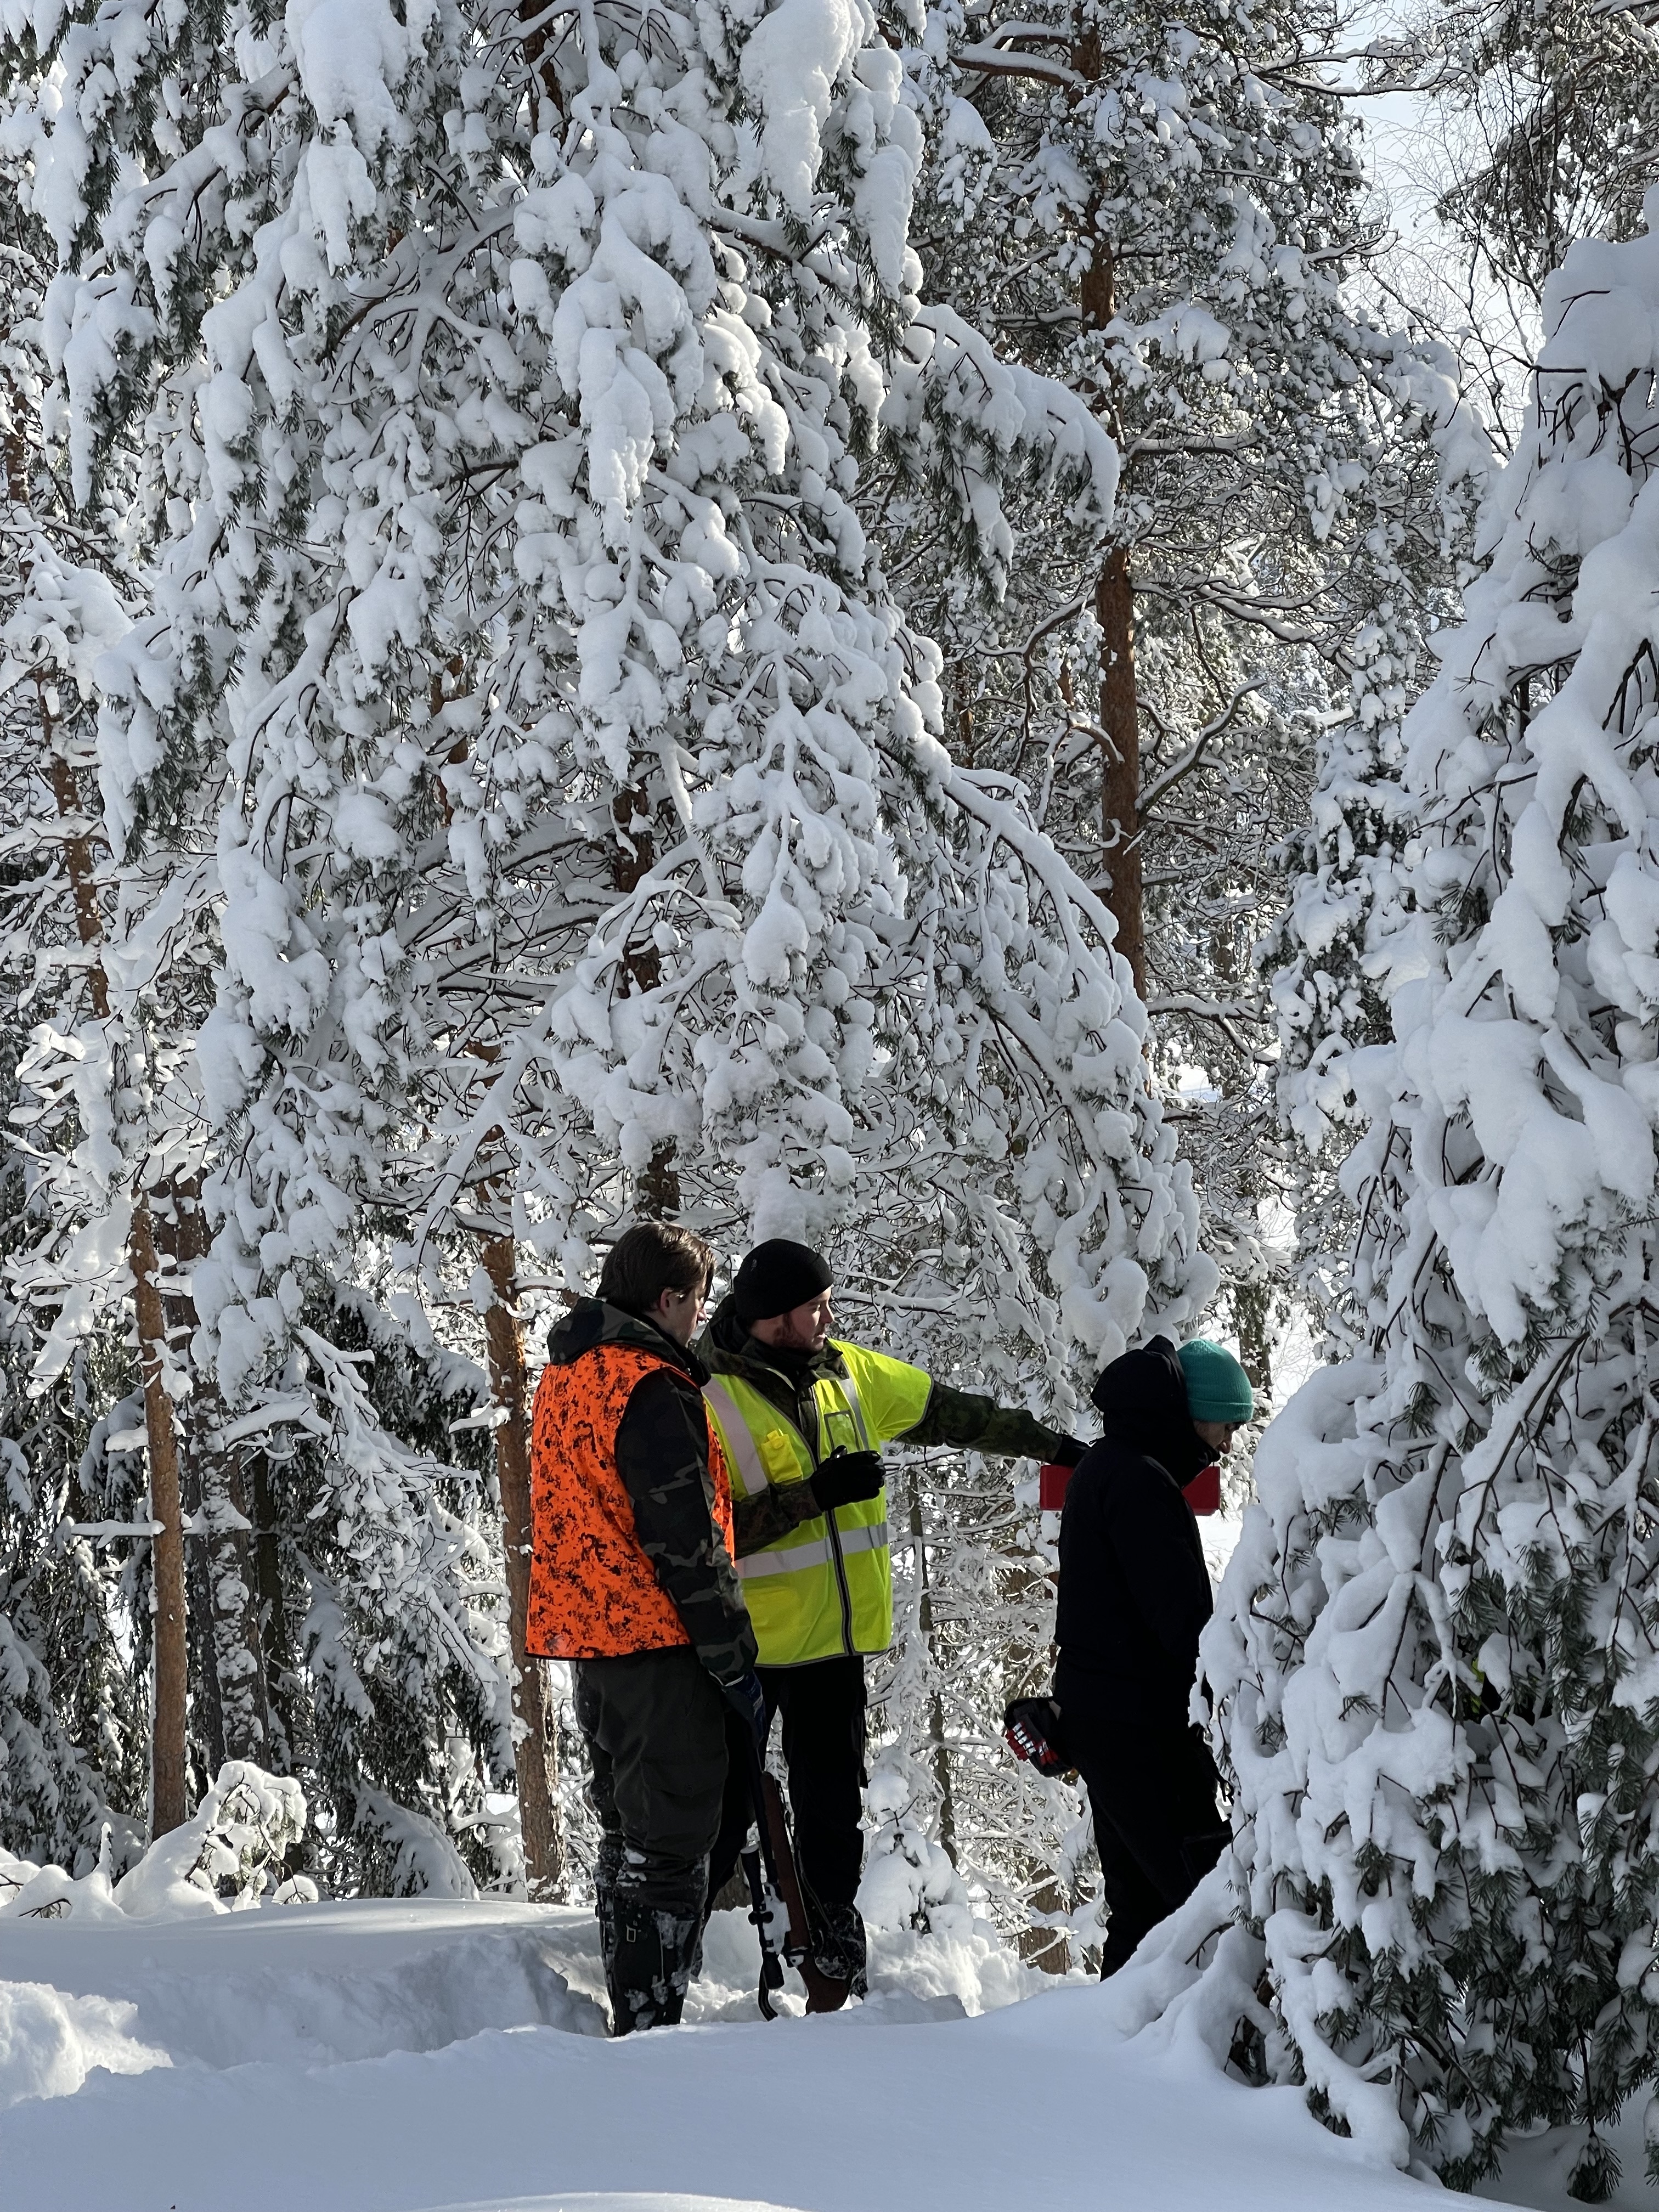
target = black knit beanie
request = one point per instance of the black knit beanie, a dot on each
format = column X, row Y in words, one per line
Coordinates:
column 777, row 1277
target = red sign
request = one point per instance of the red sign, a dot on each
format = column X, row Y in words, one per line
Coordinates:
column 1052, row 1479
column 1202, row 1493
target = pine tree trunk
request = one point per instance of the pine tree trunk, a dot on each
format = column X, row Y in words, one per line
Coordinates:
column 169, row 1800
column 231, row 1675
column 206, row 1715
column 1047, row 1948
column 207, row 1712
column 77, row 862
column 532, row 1750
column 659, row 1183
column 1119, row 782
column 239, row 1655
column 939, row 1750
column 1252, row 1310
column 275, row 1653
column 1115, row 612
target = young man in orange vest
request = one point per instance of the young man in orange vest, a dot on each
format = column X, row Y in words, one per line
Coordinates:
column 631, row 1579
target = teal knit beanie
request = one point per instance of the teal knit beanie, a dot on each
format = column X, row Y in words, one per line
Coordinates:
column 1217, row 1389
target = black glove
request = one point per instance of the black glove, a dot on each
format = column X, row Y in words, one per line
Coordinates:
column 1068, row 1452
column 746, row 1698
column 847, row 1477
column 1033, row 1731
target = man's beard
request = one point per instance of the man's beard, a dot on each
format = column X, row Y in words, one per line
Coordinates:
column 805, row 1344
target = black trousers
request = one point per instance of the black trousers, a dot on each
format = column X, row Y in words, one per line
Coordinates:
column 821, row 1707
column 655, row 1725
column 1152, row 1786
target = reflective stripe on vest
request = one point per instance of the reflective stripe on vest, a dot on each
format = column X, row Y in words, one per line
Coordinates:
column 827, row 1588
column 850, row 1390
column 749, row 1477
column 873, row 1537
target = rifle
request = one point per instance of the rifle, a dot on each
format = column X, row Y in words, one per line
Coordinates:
column 774, row 1890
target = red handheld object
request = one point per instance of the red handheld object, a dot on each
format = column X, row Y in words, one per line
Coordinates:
column 1203, row 1492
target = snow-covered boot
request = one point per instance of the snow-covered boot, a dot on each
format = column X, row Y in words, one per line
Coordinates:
column 648, row 1968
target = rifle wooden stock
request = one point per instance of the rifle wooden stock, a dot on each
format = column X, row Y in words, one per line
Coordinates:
column 823, row 1993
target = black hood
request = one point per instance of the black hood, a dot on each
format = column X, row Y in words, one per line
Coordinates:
column 725, row 1333
column 1142, row 1404
column 591, row 1321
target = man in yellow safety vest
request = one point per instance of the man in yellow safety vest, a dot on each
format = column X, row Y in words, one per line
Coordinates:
column 802, row 1417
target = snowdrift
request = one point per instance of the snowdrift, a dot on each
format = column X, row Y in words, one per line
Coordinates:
column 383, row 2056
column 201, row 2035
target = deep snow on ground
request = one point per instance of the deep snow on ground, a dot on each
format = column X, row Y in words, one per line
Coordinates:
column 378, row 2056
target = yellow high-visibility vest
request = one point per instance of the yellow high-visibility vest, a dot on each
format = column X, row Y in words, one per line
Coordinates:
column 827, row 1588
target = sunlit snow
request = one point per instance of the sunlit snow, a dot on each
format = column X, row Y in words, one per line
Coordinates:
column 400, row 2056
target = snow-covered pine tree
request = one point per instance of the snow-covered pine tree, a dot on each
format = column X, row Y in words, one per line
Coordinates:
column 1169, row 215
column 395, row 1528
column 974, row 1610
column 579, row 810
column 110, row 1127
column 1434, row 1658
column 72, row 1702
column 71, row 1709
column 398, row 1672
column 1016, row 173
column 67, row 1703
column 1552, row 113
column 1321, row 956
column 1346, row 865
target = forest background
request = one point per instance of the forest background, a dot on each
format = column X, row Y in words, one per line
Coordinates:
column 795, row 618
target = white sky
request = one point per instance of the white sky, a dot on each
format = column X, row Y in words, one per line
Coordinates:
column 1412, row 148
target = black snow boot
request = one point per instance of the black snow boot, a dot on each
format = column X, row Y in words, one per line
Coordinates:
column 648, row 1965
column 607, row 1864
column 839, row 1949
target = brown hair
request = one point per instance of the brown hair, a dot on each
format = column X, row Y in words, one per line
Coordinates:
column 650, row 1258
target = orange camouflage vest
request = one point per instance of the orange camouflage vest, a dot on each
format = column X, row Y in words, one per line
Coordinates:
column 593, row 1593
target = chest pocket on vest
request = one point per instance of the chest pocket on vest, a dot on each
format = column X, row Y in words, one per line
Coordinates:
column 779, row 1457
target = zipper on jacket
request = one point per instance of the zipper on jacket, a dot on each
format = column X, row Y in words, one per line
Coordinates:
column 841, row 1584
column 835, row 1552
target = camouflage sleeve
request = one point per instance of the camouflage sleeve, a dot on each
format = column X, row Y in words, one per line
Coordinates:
column 662, row 1457
column 760, row 1522
column 954, row 1416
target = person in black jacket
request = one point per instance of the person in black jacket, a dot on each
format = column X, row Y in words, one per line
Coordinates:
column 1134, row 1595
